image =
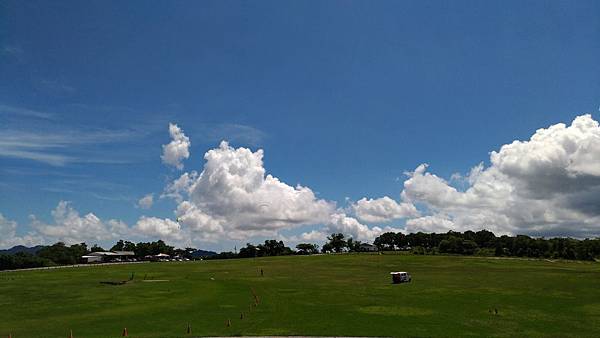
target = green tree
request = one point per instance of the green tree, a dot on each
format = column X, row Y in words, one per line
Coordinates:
column 119, row 246
column 96, row 248
column 248, row 251
column 385, row 241
column 307, row 248
column 337, row 242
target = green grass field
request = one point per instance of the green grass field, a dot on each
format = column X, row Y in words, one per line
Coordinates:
column 332, row 295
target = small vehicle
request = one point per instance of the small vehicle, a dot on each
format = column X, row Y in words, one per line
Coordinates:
column 400, row 277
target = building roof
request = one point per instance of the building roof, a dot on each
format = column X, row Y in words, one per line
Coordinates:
column 111, row 253
column 124, row 253
column 102, row 253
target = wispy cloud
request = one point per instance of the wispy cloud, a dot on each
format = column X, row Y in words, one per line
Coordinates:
column 52, row 159
column 232, row 132
column 98, row 189
column 55, row 87
column 12, row 51
column 12, row 110
column 14, row 171
column 58, row 148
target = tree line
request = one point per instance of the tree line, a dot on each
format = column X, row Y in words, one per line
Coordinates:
column 336, row 242
column 62, row 254
column 481, row 243
column 485, row 243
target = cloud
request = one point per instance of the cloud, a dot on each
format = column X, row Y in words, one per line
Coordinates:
column 429, row 224
column 382, row 209
column 176, row 150
column 158, row 228
column 548, row 185
column 9, row 237
column 19, row 111
column 234, row 197
column 180, row 187
column 12, row 50
column 70, row 227
column 55, row 87
column 57, row 148
column 146, row 201
column 8, row 230
column 235, row 133
column 340, row 222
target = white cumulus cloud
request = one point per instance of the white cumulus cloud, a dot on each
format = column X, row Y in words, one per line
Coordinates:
column 548, row 185
column 70, row 227
column 382, row 209
column 9, row 237
column 234, row 197
column 178, row 149
column 146, row 201
column 158, row 228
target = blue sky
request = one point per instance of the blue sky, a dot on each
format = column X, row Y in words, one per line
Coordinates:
column 342, row 96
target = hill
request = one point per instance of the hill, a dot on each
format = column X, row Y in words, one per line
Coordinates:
column 333, row 295
column 203, row 253
column 21, row 248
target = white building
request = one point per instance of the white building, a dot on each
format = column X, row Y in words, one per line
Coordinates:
column 366, row 247
column 108, row 256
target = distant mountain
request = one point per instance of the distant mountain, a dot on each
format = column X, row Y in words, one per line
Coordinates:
column 203, row 253
column 21, row 248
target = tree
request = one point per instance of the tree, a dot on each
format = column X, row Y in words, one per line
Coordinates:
column 79, row 250
column 59, row 253
column 457, row 245
column 327, row 247
column 248, row 251
column 385, row 241
column 485, row 239
column 353, row 246
column 418, row 239
column 337, row 242
column 119, row 246
column 128, row 246
column 96, row 248
column 400, row 240
column 23, row 260
column 123, row 246
column 307, row 248
column 272, row 247
column 143, row 249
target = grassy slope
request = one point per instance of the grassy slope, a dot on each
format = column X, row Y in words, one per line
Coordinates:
column 319, row 295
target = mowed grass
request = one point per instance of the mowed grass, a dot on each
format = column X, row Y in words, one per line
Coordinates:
column 334, row 295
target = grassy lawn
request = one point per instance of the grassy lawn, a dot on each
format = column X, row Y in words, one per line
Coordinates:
column 331, row 295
